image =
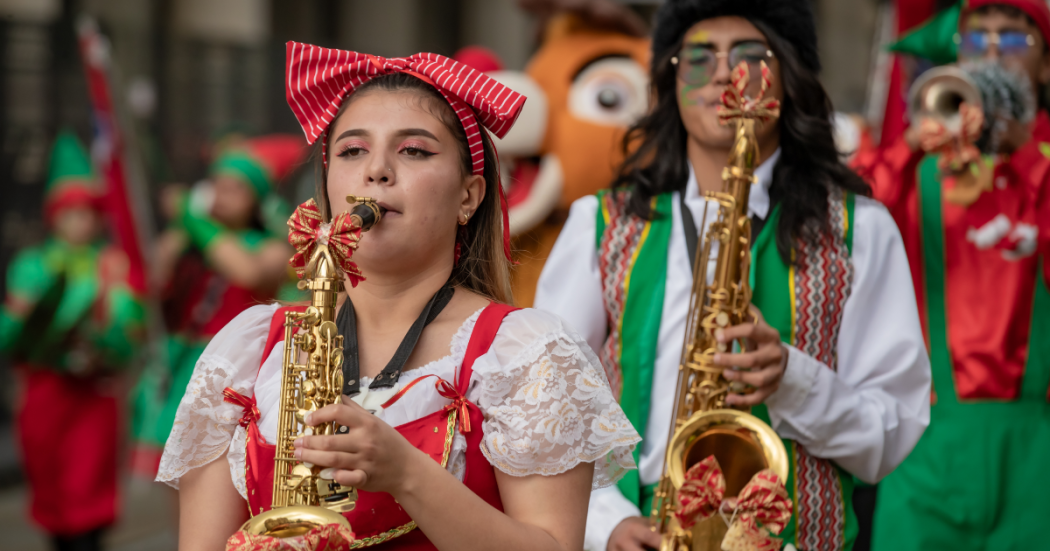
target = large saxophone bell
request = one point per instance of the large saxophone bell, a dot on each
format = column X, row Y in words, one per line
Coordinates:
column 937, row 94
column 743, row 446
column 292, row 521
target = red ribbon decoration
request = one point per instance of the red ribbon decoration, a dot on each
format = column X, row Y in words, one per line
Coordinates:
column 736, row 105
column 306, row 230
column 329, row 537
column 701, row 494
column 446, row 390
column 251, row 410
column 956, row 148
column 319, row 79
column 763, row 500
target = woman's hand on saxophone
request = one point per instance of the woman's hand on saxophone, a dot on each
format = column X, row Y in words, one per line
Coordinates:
column 371, row 455
column 761, row 365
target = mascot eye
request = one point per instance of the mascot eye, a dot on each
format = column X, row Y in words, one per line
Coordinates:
column 610, row 92
column 609, row 98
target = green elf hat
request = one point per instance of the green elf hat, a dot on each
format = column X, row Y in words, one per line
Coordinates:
column 933, row 40
column 71, row 179
column 261, row 163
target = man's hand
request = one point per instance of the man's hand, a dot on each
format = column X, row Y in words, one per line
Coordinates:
column 762, row 364
column 633, row 534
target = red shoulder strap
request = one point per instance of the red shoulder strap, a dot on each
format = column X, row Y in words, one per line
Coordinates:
column 276, row 333
column 481, row 339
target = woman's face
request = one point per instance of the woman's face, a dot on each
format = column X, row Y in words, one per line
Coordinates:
column 388, row 145
column 704, row 70
column 234, row 202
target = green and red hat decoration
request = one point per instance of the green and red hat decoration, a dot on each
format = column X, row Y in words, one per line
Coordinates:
column 261, row 163
column 72, row 180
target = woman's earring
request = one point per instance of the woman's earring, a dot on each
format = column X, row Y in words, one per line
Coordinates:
column 466, row 218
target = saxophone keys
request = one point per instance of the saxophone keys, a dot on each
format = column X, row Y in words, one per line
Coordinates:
column 722, row 319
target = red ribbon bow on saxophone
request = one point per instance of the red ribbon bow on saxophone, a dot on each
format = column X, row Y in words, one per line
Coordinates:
column 306, row 230
column 763, row 500
column 319, row 79
column 955, row 146
column 735, row 104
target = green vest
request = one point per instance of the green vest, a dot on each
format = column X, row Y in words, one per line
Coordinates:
column 632, row 257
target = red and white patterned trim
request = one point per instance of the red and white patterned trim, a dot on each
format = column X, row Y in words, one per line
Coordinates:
column 823, row 279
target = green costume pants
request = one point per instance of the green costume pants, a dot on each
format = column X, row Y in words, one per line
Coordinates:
column 979, row 479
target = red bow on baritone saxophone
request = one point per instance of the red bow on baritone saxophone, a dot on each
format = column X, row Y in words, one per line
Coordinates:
column 764, row 500
column 319, row 79
column 306, row 230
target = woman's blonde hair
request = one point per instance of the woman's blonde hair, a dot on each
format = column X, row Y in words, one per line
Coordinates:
column 483, row 268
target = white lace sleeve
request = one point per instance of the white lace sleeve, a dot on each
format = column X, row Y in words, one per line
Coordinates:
column 547, row 403
column 204, row 423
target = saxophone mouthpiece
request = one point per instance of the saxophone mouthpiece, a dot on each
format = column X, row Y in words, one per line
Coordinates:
column 367, row 212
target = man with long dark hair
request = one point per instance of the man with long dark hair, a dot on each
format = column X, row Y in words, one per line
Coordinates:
column 836, row 358
column 971, row 234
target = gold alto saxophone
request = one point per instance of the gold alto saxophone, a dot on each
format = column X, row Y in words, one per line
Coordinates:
column 703, row 425
column 304, row 496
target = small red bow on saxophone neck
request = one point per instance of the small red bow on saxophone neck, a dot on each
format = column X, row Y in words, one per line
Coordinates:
column 736, row 105
column 306, row 231
column 956, row 147
column 763, row 500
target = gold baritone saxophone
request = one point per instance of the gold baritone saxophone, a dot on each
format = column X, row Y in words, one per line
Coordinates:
column 304, row 495
column 702, row 424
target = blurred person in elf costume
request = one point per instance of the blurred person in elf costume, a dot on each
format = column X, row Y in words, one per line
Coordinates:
column 967, row 202
column 221, row 255
column 71, row 324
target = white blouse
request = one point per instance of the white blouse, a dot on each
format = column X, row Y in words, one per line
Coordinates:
column 546, row 402
column 866, row 416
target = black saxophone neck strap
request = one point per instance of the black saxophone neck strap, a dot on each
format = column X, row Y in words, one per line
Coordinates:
column 346, row 320
column 692, row 234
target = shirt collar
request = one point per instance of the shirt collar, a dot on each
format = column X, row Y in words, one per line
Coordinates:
column 758, row 201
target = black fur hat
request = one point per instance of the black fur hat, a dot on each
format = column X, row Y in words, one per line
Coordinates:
column 791, row 19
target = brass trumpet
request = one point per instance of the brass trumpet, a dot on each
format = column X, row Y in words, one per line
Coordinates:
column 304, row 496
column 937, row 94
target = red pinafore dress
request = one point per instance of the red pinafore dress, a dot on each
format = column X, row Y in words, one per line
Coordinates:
column 378, row 520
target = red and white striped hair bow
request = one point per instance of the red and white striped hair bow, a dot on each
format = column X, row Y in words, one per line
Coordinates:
column 319, row 79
